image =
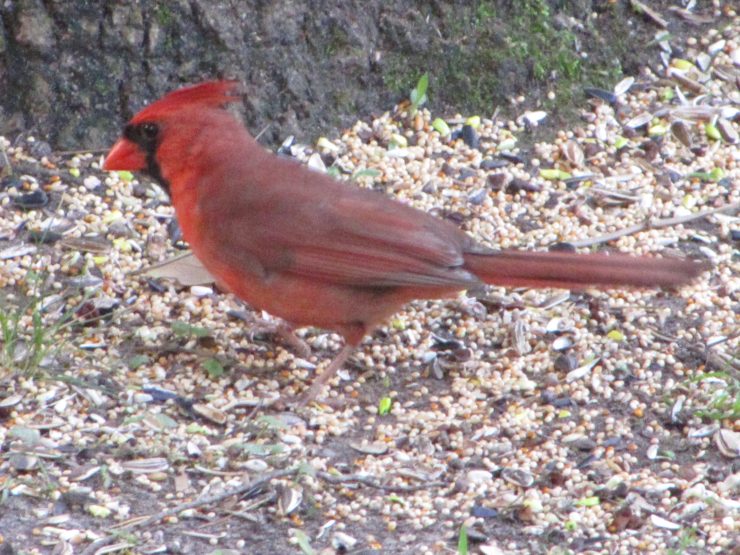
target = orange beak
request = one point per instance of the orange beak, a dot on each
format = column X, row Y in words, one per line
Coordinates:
column 125, row 155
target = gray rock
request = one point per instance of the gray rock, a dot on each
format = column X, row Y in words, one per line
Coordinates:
column 72, row 72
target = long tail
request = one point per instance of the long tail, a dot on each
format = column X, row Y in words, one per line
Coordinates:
column 577, row 271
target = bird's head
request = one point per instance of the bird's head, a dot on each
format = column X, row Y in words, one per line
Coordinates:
column 173, row 116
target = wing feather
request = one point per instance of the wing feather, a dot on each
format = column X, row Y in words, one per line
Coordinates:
column 297, row 221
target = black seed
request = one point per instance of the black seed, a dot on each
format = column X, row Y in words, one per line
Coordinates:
column 496, row 181
column 565, row 363
column 174, row 231
column 44, row 237
column 562, row 247
column 562, row 402
column 430, row 187
column 284, row 149
column 612, row 442
column 583, row 463
column 159, row 394
column 572, row 182
column 674, row 176
column 477, row 197
column 518, row 185
column 11, row 181
column 30, row 201
column 583, row 444
column 447, row 169
column 493, row 163
column 513, row 158
column 466, row 173
column 470, row 136
column 594, row 92
column 156, row 286
column 39, row 149
column 547, row 397
column 476, row 536
column 483, row 512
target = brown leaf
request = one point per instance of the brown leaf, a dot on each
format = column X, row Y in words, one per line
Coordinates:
column 185, row 269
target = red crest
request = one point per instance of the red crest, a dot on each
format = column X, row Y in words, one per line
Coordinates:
column 210, row 94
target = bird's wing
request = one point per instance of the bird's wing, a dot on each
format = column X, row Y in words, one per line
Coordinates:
column 304, row 223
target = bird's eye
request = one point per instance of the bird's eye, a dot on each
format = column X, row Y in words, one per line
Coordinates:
column 149, row 131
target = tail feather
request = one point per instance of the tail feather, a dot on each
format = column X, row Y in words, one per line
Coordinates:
column 578, row 271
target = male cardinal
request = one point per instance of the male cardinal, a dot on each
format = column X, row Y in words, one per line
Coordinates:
column 316, row 251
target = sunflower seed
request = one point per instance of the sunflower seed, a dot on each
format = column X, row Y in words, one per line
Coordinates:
column 681, row 132
column 517, row 477
column 289, row 500
column 562, row 343
column 639, row 120
column 624, row 85
column 573, row 152
column 595, row 92
column 376, row 448
column 704, row 431
column 582, row 371
column 661, row 522
column 343, row 542
column 146, row 466
column 210, row 413
column 728, row 131
column 728, row 442
column 16, row 251
column 10, row 401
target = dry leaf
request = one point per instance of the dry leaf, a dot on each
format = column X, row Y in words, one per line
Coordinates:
column 185, row 269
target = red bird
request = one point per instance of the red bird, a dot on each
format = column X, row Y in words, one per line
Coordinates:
column 315, row 251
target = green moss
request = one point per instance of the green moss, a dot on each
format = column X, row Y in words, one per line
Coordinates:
column 344, row 101
column 485, row 11
column 494, row 50
column 163, row 14
column 336, row 40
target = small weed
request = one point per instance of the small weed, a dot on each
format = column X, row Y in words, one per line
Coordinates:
column 484, row 12
column 26, row 338
column 486, row 52
column 462, row 541
column 686, row 540
column 384, row 406
column 303, row 542
column 418, row 96
column 720, row 398
column 185, row 330
column 366, row 172
column 213, row 367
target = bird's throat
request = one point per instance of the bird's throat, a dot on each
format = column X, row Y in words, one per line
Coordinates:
column 155, row 171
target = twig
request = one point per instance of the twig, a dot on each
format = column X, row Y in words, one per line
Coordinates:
column 650, row 13
column 24, row 167
column 367, row 481
column 83, row 151
column 262, row 132
column 653, row 224
column 144, row 521
column 207, row 500
column 7, row 168
column 711, row 358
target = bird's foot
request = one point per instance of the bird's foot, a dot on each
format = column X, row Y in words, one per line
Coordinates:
column 322, row 379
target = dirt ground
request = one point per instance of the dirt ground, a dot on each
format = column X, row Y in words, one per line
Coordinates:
column 138, row 415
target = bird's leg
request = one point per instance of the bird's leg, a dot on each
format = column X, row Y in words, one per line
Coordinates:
column 288, row 336
column 330, row 371
column 285, row 333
